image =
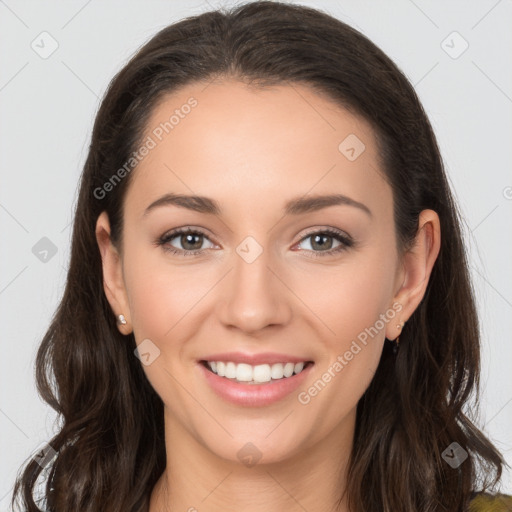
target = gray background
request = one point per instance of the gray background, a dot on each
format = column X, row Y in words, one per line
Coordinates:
column 47, row 107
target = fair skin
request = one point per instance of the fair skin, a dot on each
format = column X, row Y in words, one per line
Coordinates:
column 252, row 151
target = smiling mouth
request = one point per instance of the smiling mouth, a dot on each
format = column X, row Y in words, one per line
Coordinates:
column 255, row 374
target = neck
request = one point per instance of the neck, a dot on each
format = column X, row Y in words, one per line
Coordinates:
column 196, row 479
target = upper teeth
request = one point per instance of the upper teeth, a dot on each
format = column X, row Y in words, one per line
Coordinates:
column 259, row 373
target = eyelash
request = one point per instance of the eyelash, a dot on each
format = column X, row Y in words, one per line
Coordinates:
column 345, row 242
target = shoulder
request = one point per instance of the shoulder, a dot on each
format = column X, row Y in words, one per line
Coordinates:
column 484, row 502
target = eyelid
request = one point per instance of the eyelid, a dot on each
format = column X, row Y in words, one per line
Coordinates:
column 326, row 229
column 184, row 230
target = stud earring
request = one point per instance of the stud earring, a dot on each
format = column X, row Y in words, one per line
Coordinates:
column 121, row 320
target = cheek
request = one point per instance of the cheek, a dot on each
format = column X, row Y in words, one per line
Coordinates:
column 160, row 297
column 355, row 309
column 348, row 298
column 167, row 298
column 164, row 302
column 352, row 303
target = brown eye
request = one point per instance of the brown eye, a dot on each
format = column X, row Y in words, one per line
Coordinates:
column 327, row 242
column 191, row 242
column 186, row 242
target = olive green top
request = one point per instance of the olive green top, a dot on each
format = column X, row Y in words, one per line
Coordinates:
column 484, row 502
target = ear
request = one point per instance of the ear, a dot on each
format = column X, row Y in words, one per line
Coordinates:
column 113, row 280
column 414, row 273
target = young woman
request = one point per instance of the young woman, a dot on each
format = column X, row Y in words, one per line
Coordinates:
column 268, row 304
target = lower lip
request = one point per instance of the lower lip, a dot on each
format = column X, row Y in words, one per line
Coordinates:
column 254, row 395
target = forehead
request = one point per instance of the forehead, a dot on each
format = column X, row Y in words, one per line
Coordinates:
column 249, row 146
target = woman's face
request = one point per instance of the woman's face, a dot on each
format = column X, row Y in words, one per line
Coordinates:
column 260, row 276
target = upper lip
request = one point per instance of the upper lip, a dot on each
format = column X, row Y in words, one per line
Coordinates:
column 255, row 359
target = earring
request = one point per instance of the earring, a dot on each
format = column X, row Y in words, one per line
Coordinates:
column 397, row 341
column 121, row 320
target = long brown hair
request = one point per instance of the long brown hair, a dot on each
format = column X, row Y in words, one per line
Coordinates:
column 110, row 448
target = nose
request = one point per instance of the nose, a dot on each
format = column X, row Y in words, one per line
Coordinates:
column 254, row 296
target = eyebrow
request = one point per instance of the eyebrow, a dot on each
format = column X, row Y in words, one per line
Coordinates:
column 296, row 206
